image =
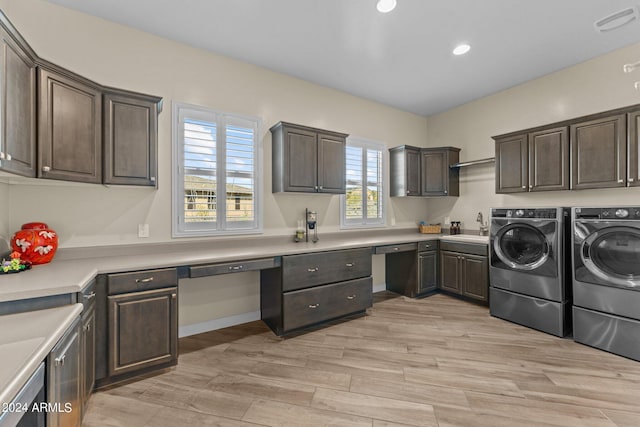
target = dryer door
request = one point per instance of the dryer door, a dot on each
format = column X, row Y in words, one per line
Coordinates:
column 612, row 254
column 526, row 247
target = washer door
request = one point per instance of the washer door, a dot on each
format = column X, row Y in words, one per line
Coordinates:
column 613, row 255
column 521, row 246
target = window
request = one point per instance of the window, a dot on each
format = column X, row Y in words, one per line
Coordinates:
column 362, row 205
column 216, row 185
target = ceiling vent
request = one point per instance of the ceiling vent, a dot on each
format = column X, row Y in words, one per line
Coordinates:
column 617, row 20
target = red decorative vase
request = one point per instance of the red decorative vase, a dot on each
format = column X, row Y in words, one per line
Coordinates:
column 35, row 242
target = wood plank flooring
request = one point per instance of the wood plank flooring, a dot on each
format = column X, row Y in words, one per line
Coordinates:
column 437, row 361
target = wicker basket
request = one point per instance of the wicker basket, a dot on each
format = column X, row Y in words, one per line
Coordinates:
column 430, row 229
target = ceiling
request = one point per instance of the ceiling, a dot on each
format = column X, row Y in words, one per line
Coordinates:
column 403, row 58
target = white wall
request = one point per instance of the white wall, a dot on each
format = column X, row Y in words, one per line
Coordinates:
column 118, row 56
column 113, row 55
column 591, row 87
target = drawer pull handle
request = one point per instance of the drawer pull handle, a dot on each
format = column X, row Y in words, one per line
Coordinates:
column 630, row 179
column 314, row 306
column 396, row 249
column 350, row 264
column 620, row 181
column 147, row 280
column 350, row 297
column 427, row 246
column 174, row 296
column 91, row 296
column 60, row 360
column 87, row 327
column 236, row 267
column 312, row 270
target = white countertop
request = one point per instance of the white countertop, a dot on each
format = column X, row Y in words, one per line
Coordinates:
column 71, row 272
column 25, row 341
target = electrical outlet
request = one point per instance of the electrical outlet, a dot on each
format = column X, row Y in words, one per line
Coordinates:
column 393, row 220
column 447, row 220
column 143, row 230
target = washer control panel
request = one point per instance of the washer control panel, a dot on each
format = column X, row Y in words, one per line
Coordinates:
column 613, row 213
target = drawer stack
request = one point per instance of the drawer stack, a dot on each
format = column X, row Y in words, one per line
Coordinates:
column 312, row 288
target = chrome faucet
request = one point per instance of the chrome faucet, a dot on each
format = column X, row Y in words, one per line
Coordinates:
column 484, row 227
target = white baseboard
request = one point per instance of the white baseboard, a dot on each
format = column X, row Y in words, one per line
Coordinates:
column 212, row 325
column 379, row 288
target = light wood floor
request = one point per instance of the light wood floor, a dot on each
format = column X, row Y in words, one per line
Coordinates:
column 437, row 361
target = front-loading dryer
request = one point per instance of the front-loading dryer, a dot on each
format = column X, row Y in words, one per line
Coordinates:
column 606, row 278
column 528, row 274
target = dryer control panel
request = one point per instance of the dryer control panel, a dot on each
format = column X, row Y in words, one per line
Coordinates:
column 626, row 213
column 531, row 213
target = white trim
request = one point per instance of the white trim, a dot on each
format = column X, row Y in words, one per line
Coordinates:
column 222, row 227
column 366, row 144
column 215, row 324
column 379, row 287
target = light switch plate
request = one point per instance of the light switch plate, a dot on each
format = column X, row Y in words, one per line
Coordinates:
column 143, row 230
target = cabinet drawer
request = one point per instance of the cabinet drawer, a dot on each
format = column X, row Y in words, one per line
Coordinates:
column 141, row 280
column 429, row 245
column 309, row 306
column 465, row 248
column 306, row 270
column 389, row 249
column 233, row 267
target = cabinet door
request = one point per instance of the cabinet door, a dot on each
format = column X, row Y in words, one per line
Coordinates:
column 511, row 164
column 300, row 160
column 331, row 164
column 130, row 140
column 549, row 160
column 435, row 173
column 598, row 153
column 18, row 108
column 427, row 271
column 633, row 167
column 450, row 279
column 413, row 172
column 475, row 277
column 88, row 354
column 64, row 380
column 143, row 330
column 70, row 125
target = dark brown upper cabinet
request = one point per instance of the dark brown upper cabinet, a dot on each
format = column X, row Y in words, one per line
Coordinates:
column 633, row 145
column 598, row 153
column 52, row 124
column 534, row 161
column 307, row 160
column 438, row 179
column 17, row 105
column 405, row 171
column 70, row 128
column 130, row 135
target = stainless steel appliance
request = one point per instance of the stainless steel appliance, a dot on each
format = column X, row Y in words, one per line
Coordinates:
column 529, row 275
column 606, row 278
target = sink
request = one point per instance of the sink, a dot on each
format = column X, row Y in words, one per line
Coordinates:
column 467, row 238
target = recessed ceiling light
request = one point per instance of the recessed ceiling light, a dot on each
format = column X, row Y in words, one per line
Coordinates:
column 461, row 49
column 385, row 6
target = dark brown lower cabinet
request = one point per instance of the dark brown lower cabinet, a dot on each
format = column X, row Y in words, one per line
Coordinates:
column 465, row 271
column 427, row 272
column 143, row 330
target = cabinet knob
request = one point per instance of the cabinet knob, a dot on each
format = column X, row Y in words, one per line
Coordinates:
column 152, row 179
column 350, row 297
column 46, row 168
column 524, row 186
column 321, row 187
column 407, row 191
column 620, row 181
column 314, row 306
column 396, row 249
column 91, row 296
column 316, row 187
column 530, row 186
column 630, row 179
column 446, row 192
